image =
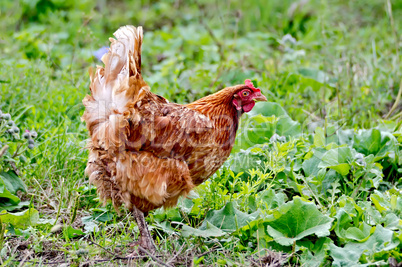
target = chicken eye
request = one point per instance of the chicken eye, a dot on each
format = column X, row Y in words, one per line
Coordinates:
column 245, row 93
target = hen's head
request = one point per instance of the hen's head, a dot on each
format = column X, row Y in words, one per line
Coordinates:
column 244, row 98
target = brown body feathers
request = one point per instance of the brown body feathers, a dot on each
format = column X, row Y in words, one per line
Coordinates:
column 144, row 151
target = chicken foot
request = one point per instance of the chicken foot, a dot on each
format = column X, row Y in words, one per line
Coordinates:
column 145, row 239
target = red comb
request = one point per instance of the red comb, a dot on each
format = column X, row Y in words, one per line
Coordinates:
column 251, row 85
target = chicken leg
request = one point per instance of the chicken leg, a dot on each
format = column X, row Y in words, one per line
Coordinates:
column 145, row 239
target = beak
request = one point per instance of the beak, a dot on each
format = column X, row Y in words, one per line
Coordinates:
column 260, row 97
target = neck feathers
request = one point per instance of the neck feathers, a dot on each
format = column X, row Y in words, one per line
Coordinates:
column 218, row 104
column 220, row 109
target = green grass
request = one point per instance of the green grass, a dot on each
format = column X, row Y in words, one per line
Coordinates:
column 331, row 65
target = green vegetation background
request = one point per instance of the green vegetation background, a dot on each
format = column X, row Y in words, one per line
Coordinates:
column 330, row 147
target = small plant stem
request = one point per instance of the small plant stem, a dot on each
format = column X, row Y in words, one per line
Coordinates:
column 176, row 254
column 293, row 251
column 393, row 118
column 16, row 151
column 15, row 168
column 391, row 20
column 339, row 101
column 161, row 263
column 58, row 213
column 395, row 105
column 358, row 187
column 3, row 150
column 74, row 214
column 312, row 192
column 2, row 231
column 22, row 263
column 111, row 253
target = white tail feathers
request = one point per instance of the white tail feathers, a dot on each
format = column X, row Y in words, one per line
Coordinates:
column 122, row 61
column 131, row 37
column 114, row 87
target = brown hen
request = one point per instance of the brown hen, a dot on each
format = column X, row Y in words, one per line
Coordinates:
column 144, row 151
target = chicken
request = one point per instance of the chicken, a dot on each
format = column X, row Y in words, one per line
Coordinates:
column 145, row 152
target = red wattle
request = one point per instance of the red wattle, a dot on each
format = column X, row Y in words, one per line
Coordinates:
column 249, row 106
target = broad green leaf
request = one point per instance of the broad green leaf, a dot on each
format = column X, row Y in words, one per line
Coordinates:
column 360, row 234
column 337, row 159
column 8, row 200
column 229, row 219
column 375, row 142
column 90, row 224
column 258, row 229
column 315, row 255
column 209, row 230
column 398, row 204
column 10, row 206
column 342, row 168
column 344, row 220
column 49, row 222
column 337, row 155
column 330, row 177
column 171, row 214
column 367, row 141
column 70, row 232
column 345, row 137
column 272, row 199
column 245, row 160
column 288, row 127
column 102, row 214
column 12, row 182
column 166, row 227
column 391, row 221
column 262, row 122
column 256, row 130
column 310, row 166
column 268, row 109
column 186, row 204
column 2, row 186
column 307, row 80
column 315, row 74
column 319, row 137
column 382, row 240
column 297, row 219
column 380, row 203
column 21, row 219
column 372, row 215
